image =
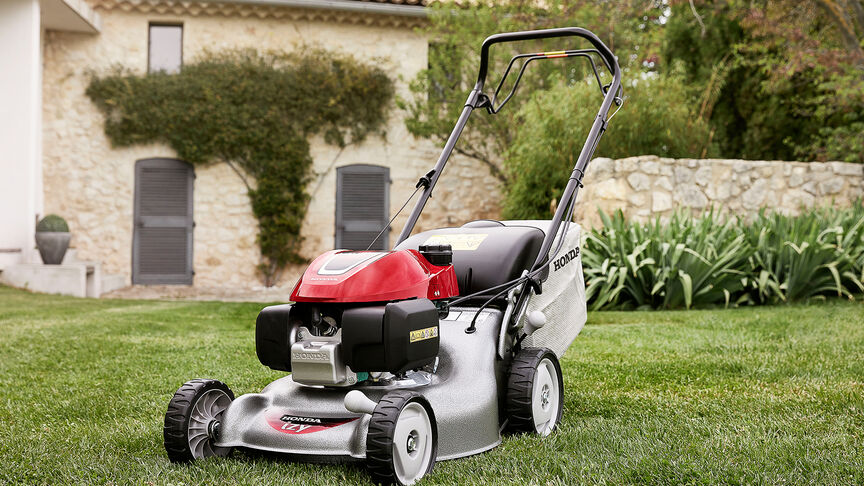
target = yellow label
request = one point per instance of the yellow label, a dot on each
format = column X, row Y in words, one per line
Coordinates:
column 466, row 242
column 421, row 334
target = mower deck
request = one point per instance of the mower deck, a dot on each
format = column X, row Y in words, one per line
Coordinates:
column 290, row 418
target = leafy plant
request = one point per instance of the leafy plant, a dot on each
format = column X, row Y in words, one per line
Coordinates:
column 52, row 223
column 778, row 79
column 799, row 257
column 709, row 260
column 254, row 112
column 683, row 263
column 630, row 28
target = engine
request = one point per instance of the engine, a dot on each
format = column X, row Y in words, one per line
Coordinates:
column 359, row 314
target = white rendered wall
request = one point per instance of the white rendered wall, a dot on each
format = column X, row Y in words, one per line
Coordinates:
column 20, row 127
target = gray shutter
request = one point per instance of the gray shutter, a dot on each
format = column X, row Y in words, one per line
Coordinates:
column 162, row 238
column 362, row 206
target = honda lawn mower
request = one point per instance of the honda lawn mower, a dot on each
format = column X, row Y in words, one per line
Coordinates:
column 426, row 352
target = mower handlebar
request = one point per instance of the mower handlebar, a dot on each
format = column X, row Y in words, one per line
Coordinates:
column 608, row 58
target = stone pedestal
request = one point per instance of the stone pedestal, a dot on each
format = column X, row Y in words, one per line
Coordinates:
column 81, row 279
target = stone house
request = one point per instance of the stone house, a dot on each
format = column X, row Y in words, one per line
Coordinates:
column 57, row 158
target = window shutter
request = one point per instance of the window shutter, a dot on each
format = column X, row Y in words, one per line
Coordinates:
column 362, row 206
column 162, row 241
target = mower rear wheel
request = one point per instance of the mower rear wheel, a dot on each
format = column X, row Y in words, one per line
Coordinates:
column 535, row 392
column 402, row 441
column 193, row 419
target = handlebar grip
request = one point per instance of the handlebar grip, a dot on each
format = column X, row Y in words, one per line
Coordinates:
column 610, row 59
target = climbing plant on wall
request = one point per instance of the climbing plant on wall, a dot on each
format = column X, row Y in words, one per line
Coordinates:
column 256, row 113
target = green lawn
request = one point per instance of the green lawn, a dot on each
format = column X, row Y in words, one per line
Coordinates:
column 758, row 395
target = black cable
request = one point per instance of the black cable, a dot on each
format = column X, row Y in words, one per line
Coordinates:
column 419, row 185
column 470, row 329
column 517, row 281
column 520, row 279
column 519, row 340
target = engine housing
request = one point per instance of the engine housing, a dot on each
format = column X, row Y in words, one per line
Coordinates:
column 394, row 337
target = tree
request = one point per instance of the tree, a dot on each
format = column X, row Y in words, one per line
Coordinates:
column 657, row 119
column 440, row 91
column 778, row 79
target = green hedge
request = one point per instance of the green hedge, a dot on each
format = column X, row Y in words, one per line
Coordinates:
column 715, row 261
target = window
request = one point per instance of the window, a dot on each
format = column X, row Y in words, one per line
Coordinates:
column 166, row 48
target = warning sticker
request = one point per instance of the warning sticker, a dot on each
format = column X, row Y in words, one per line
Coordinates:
column 421, row 334
column 466, row 242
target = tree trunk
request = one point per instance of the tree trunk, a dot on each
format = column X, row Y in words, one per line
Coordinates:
column 847, row 30
column 858, row 10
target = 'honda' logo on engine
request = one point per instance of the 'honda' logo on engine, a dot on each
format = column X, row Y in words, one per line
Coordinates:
column 564, row 260
column 310, row 356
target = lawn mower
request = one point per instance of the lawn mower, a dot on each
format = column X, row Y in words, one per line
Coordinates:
column 426, row 352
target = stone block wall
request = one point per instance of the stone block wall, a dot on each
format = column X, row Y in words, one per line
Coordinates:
column 648, row 186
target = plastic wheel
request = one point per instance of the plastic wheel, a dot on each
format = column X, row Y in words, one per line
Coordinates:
column 402, row 442
column 193, row 419
column 535, row 392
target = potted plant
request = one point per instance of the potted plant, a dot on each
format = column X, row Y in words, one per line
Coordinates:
column 52, row 239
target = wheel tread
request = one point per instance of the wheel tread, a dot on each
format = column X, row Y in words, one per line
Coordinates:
column 520, row 385
column 379, row 438
column 177, row 417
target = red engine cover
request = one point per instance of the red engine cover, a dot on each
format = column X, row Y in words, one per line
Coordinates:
column 374, row 276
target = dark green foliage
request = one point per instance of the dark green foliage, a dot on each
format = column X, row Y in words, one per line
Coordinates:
column 772, row 79
column 818, row 253
column 52, row 223
column 836, row 113
column 656, row 118
column 255, row 112
column 684, row 262
column 709, row 260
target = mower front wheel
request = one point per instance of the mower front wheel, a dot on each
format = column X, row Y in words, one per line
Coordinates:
column 535, row 392
column 402, row 441
column 193, row 419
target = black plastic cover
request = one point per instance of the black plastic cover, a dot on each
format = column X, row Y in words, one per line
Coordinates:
column 501, row 255
column 363, row 338
column 440, row 255
column 396, row 337
column 273, row 337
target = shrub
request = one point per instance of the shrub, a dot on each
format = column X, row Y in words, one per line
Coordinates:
column 656, row 118
column 683, row 263
column 52, row 223
column 710, row 260
column 818, row 253
column 438, row 93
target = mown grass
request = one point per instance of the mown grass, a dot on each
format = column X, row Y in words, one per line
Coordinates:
column 758, row 395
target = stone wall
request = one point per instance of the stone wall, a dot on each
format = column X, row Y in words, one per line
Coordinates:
column 91, row 184
column 649, row 186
